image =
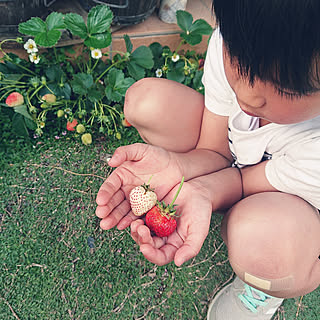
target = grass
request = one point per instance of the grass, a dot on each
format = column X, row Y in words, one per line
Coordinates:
column 56, row 263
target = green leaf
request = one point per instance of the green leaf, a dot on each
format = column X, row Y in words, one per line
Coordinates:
column 117, row 85
column 30, row 124
column 128, row 43
column 201, row 27
column 48, row 39
column 99, row 41
column 19, row 125
column 135, row 71
column 99, row 19
column 197, row 80
column 75, row 23
column 54, row 73
column 156, row 49
column 13, row 76
column 176, row 75
column 23, row 110
column 143, row 57
column 81, row 83
column 55, row 21
column 94, row 94
column 184, row 20
column 32, row 27
column 63, row 91
column 192, row 38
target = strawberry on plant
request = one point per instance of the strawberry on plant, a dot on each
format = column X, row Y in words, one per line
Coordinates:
column 49, row 98
column 80, row 128
column 126, row 123
column 142, row 198
column 14, row 99
column 60, row 113
column 86, row 139
column 161, row 218
column 71, row 125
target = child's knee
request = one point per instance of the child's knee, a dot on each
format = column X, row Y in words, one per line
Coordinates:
column 139, row 101
column 271, row 250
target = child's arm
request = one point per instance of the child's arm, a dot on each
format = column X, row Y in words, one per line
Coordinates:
column 254, row 179
column 136, row 163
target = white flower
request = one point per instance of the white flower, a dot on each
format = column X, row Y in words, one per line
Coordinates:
column 30, row 46
column 175, row 57
column 96, row 53
column 158, row 73
column 34, row 58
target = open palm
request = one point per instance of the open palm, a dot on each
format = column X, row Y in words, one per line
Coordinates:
column 185, row 242
column 135, row 165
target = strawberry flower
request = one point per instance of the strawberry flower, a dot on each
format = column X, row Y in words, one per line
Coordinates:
column 30, row 46
column 158, row 73
column 33, row 57
column 71, row 125
column 175, row 57
column 96, row 53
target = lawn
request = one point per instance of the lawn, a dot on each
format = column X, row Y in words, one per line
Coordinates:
column 56, row 263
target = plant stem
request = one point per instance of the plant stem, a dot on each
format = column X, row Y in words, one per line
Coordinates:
column 180, row 44
column 149, row 179
column 95, row 64
column 105, row 71
column 36, row 91
column 177, row 193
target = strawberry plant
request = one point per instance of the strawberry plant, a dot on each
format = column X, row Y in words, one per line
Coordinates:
column 60, row 86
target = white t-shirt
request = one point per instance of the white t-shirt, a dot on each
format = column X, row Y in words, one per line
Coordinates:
column 293, row 150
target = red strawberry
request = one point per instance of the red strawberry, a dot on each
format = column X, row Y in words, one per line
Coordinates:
column 142, row 198
column 71, row 125
column 126, row 123
column 161, row 218
column 14, row 99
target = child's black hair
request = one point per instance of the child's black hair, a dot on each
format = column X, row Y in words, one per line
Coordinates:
column 273, row 40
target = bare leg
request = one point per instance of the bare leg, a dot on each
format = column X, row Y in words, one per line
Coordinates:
column 165, row 113
column 273, row 236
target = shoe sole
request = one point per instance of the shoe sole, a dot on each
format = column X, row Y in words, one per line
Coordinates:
column 215, row 299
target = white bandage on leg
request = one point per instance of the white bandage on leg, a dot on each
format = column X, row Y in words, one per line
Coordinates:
column 269, row 284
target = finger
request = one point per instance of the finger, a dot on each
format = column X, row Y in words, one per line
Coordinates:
column 142, row 235
column 134, row 229
column 132, row 152
column 108, row 189
column 161, row 256
column 115, row 216
column 126, row 221
column 103, row 211
column 191, row 247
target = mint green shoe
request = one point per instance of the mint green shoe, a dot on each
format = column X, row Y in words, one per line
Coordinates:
column 239, row 301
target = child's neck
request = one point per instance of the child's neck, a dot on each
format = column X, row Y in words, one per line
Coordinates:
column 263, row 122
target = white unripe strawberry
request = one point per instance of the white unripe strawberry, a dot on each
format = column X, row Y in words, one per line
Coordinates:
column 142, row 199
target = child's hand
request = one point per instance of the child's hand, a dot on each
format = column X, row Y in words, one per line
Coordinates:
column 135, row 165
column 195, row 208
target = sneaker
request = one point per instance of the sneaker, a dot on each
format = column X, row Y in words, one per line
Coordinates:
column 239, row 301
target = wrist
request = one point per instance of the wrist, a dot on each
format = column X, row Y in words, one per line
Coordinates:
column 200, row 162
column 223, row 188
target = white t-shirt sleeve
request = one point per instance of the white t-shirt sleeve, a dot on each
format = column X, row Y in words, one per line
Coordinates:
column 219, row 97
column 297, row 171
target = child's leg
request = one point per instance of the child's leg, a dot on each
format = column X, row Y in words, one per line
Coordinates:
column 273, row 241
column 165, row 113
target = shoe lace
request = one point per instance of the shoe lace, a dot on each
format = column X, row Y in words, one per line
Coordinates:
column 252, row 298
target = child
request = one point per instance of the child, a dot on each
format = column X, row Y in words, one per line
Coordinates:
column 251, row 146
